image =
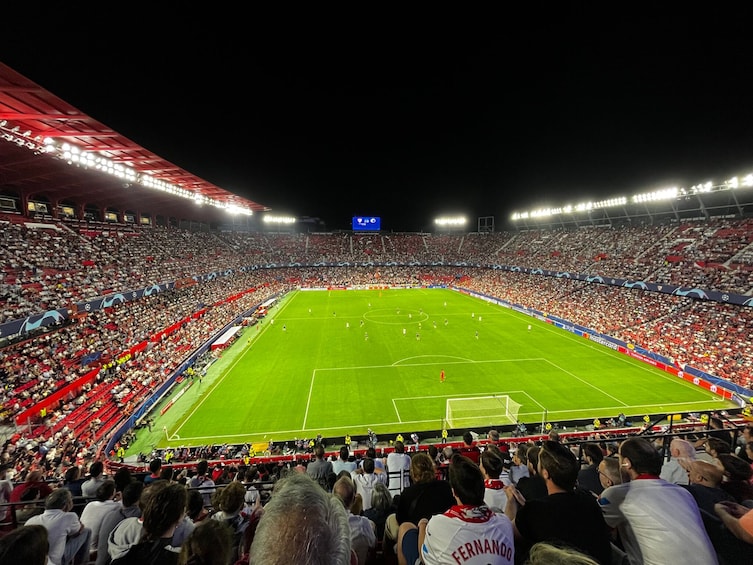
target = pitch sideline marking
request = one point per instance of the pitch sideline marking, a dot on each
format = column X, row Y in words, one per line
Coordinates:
column 219, row 381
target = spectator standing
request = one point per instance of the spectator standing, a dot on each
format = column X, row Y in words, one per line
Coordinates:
column 320, row 469
column 68, row 538
column 658, row 522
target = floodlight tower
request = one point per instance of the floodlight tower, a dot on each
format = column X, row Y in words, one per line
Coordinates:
column 485, row 224
column 279, row 224
column 450, row 223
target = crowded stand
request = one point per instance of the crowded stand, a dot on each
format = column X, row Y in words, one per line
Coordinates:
column 530, row 492
column 50, row 265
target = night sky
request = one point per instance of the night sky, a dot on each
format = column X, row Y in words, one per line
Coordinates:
column 408, row 118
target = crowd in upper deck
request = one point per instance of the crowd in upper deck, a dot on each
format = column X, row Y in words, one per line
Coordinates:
column 52, row 266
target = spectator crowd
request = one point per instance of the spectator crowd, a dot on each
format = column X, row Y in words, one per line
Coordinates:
column 530, row 502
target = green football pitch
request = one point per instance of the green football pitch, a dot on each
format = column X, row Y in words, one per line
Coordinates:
column 332, row 362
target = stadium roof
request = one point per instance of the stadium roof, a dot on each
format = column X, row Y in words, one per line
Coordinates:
column 29, row 114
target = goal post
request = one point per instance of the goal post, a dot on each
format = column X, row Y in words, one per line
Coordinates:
column 491, row 410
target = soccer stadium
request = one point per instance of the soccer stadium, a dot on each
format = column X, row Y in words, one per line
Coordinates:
column 137, row 326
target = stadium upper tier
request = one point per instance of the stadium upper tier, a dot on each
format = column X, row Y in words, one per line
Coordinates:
column 50, row 265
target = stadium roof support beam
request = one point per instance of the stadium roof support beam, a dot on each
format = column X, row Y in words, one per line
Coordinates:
column 675, row 211
column 702, row 207
column 737, row 203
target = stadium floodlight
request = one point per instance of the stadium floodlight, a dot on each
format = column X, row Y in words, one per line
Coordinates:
column 672, row 193
column 450, row 221
column 700, row 188
column 282, row 220
column 546, row 212
column 664, row 194
column 80, row 157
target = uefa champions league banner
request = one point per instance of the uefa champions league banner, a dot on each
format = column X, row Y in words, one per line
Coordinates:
column 115, row 299
column 691, row 292
column 26, row 325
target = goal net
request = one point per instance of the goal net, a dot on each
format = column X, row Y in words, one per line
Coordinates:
column 481, row 411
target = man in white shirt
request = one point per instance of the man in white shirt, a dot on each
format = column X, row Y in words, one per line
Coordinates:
column 69, row 539
column 365, row 480
column 362, row 530
column 342, row 463
column 398, row 468
column 658, row 521
column 5, row 489
column 96, row 478
column 95, row 511
column 676, row 469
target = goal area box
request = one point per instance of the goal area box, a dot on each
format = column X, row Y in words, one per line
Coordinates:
column 479, row 411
